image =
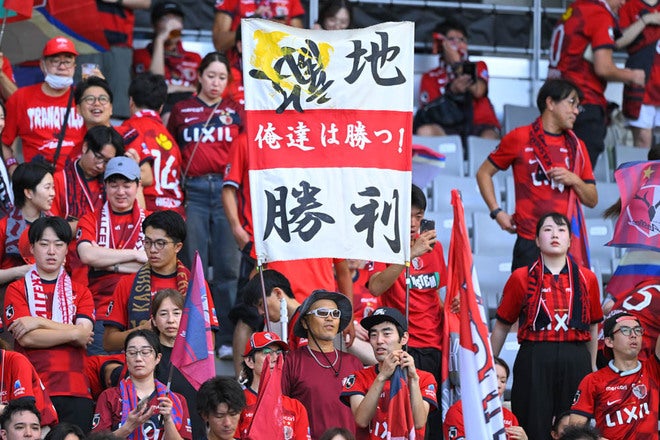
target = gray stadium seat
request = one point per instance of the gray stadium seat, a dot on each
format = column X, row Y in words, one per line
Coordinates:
column 624, row 153
column 608, row 194
column 516, row 116
column 451, row 147
column 600, row 232
column 489, row 238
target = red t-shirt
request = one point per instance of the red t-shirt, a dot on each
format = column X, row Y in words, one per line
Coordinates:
column 629, row 13
column 359, row 383
column 435, row 81
column 364, row 303
column 37, row 119
column 284, row 10
column 556, row 298
column 624, row 404
column 188, row 118
column 428, row 274
column 236, row 175
column 294, row 417
column 145, row 133
column 61, row 366
column 585, row 23
column 454, row 427
column 117, row 23
column 306, row 275
column 180, row 68
column 536, row 195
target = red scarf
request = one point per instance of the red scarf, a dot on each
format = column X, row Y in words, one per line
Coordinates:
column 130, row 238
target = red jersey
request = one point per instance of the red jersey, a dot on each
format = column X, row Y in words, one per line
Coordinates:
column 623, row 403
column 587, row 25
column 117, row 312
column 187, row 124
column 145, row 133
column 294, row 417
column 306, row 275
column 180, row 66
column 435, row 81
column 236, row 175
column 117, row 23
column 282, row 10
column 556, row 299
column 61, row 366
column 318, row 388
column 94, row 366
column 454, row 427
column 536, row 195
column 7, row 70
column 364, row 303
column 428, row 274
column 20, row 379
column 629, row 13
column 359, row 383
column 37, row 119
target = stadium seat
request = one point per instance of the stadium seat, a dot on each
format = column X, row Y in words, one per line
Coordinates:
column 624, row 153
column 600, row 232
column 489, row 238
column 517, row 116
column 608, row 194
column 472, row 200
column 492, row 273
column 478, row 150
column 603, row 170
column 451, row 147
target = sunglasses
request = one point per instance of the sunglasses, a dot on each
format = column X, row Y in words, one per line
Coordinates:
column 324, row 313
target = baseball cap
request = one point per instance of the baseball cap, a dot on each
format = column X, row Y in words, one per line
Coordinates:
column 124, row 166
column 343, row 304
column 59, row 45
column 383, row 314
column 261, row 340
column 165, row 7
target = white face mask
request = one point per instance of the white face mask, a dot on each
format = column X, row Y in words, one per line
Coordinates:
column 58, row 82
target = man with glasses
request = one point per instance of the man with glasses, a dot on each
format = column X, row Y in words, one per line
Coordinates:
column 164, row 233
column 35, row 113
column 313, row 374
column 551, row 168
column 622, row 397
column 94, row 101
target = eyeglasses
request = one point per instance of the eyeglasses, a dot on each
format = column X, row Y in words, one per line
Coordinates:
column 144, row 352
column 627, row 331
column 574, row 103
column 99, row 158
column 158, row 244
column 274, row 351
column 324, row 313
column 91, row 99
column 65, row 62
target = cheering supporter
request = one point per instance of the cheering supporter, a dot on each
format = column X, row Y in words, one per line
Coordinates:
column 20, row 420
column 79, row 186
column 220, row 401
column 364, row 303
column 581, row 52
column 141, row 406
column 34, row 191
column 7, row 80
column 110, row 239
column 549, row 172
column 144, row 133
column 335, row 15
column 367, row 391
column 164, row 234
column 34, row 112
column 622, row 397
column 313, row 374
column 205, row 127
column 262, row 351
column 457, row 89
column 641, row 23
column 94, row 101
column 454, row 426
column 557, row 306
column 228, row 15
column 51, row 318
column 425, row 310
column 166, row 56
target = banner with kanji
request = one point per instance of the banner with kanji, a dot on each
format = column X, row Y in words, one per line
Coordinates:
column 329, row 119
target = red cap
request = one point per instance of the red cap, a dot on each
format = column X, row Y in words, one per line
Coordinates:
column 261, row 340
column 59, row 45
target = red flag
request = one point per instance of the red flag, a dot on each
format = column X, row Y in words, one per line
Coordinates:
column 267, row 423
column 401, row 424
column 16, row 10
column 192, row 353
column 482, row 407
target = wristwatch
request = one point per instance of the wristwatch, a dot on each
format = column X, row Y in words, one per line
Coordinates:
column 494, row 212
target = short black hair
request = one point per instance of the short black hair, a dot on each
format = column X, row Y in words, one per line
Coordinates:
column 556, row 89
column 251, row 292
column 417, row 198
column 148, row 90
column 557, row 420
column 219, row 390
column 331, row 8
column 27, row 176
column 169, row 221
column 57, row 224
column 206, row 62
column 92, row 81
column 99, row 136
column 150, row 336
column 16, row 406
column 559, row 219
column 332, row 432
column 451, row 25
column 62, row 429
column 499, row 361
column 584, row 432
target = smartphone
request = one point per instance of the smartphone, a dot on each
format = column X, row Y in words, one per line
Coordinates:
column 427, row 225
column 143, row 402
column 470, row 68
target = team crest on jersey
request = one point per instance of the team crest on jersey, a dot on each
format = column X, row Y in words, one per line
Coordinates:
column 639, row 391
column 576, row 397
column 9, row 311
column 349, row 381
column 288, row 433
column 96, row 420
column 417, row 263
column 111, row 304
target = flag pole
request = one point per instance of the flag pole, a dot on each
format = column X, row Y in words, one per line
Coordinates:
column 407, row 293
column 260, row 269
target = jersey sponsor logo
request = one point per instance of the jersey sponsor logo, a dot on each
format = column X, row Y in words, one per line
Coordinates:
column 612, row 402
column 187, row 120
column 19, row 389
column 208, row 134
column 616, row 388
column 425, row 281
column 52, row 118
column 627, row 415
column 192, row 110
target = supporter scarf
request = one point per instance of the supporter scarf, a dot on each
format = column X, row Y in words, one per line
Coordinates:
column 16, row 224
column 131, row 238
column 6, row 204
column 77, row 194
column 538, row 316
column 129, row 401
column 139, row 301
column 63, row 308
